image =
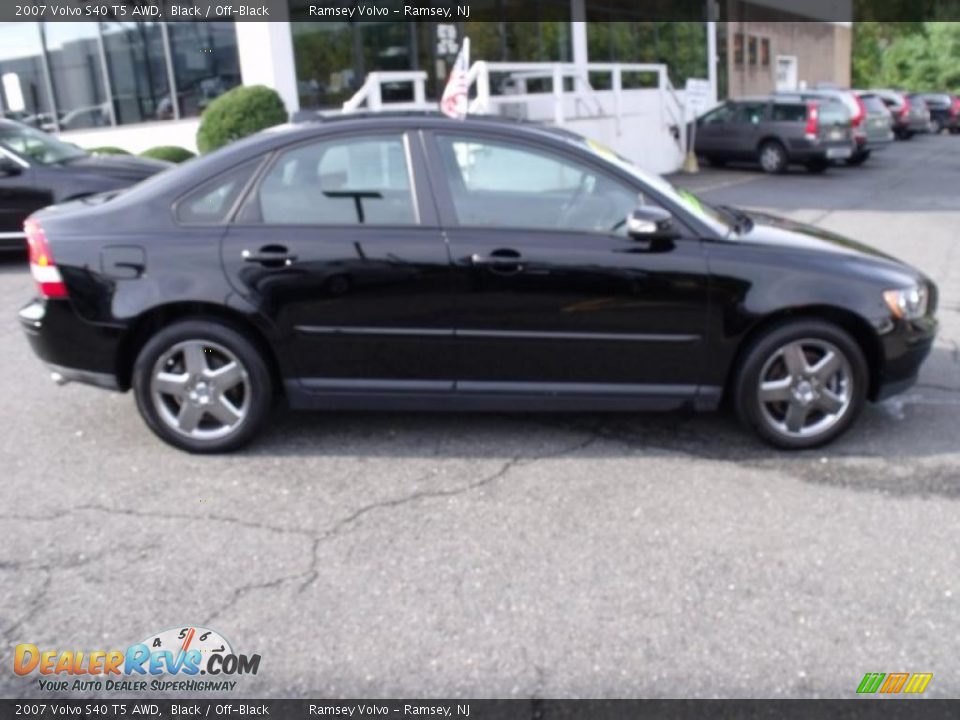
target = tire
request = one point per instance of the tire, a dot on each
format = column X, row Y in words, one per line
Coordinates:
column 859, row 159
column 802, row 410
column 936, row 126
column 772, row 157
column 817, row 166
column 715, row 161
column 202, row 386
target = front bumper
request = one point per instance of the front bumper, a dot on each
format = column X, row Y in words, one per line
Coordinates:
column 74, row 349
column 905, row 347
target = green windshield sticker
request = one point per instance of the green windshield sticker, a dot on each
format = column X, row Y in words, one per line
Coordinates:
column 690, row 199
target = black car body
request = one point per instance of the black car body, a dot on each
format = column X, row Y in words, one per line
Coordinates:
column 944, row 111
column 413, row 262
column 37, row 170
column 776, row 131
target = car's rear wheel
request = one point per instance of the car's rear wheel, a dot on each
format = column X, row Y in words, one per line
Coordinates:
column 773, row 157
column 802, row 384
column 202, row 386
column 936, row 126
column 716, row 161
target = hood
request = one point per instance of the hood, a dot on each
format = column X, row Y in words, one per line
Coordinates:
column 121, row 167
column 789, row 234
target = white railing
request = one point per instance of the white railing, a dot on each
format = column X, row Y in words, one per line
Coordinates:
column 371, row 92
column 582, row 101
column 584, row 96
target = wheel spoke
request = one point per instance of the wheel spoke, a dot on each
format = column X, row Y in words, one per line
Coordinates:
column 224, row 411
column 171, row 384
column 828, row 366
column 795, row 360
column 194, row 358
column 776, row 390
column 224, row 378
column 796, row 417
column 189, row 417
column 829, row 402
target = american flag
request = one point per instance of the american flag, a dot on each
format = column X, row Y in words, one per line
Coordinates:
column 454, row 100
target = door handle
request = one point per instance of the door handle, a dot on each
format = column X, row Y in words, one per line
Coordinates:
column 270, row 256
column 501, row 261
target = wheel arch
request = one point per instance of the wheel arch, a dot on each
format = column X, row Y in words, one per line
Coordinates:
column 150, row 322
column 856, row 325
column 771, row 138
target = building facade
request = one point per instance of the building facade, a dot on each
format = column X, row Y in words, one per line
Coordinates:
column 137, row 85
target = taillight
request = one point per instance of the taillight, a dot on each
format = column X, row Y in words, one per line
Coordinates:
column 955, row 107
column 813, row 120
column 905, row 110
column 861, row 112
column 42, row 267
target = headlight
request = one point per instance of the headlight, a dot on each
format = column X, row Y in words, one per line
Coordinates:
column 909, row 303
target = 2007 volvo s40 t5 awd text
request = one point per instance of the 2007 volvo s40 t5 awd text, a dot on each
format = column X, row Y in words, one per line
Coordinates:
column 413, row 262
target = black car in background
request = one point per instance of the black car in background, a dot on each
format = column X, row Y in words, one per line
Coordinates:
column 776, row 132
column 412, row 262
column 944, row 111
column 37, row 169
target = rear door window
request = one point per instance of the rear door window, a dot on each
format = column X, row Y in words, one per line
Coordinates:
column 752, row 113
column 789, row 112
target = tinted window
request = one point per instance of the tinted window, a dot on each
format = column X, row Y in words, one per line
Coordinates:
column 832, row 111
column 723, row 114
column 496, row 183
column 752, row 112
column 344, row 181
column 210, row 203
column 873, row 103
column 792, row 112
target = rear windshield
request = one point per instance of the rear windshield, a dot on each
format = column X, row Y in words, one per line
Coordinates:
column 872, row 103
column 832, row 111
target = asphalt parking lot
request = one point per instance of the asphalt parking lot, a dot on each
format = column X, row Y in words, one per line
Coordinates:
column 377, row 555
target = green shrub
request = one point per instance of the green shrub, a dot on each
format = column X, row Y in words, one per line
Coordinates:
column 170, row 153
column 242, row 111
column 107, row 150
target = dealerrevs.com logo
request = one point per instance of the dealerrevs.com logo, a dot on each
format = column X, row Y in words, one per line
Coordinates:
column 172, row 660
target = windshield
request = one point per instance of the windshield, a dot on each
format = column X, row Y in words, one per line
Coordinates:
column 720, row 221
column 36, row 145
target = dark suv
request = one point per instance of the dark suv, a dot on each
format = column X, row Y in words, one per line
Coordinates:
column 944, row 112
column 776, row 132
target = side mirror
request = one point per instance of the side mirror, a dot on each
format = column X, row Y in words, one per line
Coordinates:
column 651, row 223
column 9, row 167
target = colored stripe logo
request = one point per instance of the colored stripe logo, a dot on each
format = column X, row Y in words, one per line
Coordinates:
column 894, row 683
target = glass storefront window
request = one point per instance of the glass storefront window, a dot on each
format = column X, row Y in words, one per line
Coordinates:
column 333, row 58
column 76, row 74
column 205, row 65
column 24, row 93
column 137, row 68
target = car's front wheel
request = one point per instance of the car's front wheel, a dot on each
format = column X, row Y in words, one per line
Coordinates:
column 202, row 386
column 802, row 384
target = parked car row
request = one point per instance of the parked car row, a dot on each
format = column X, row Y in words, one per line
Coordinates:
column 817, row 127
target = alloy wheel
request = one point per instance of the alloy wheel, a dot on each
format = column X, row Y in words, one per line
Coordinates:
column 200, row 389
column 771, row 158
column 806, row 387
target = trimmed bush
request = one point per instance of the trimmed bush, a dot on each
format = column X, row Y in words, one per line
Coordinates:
column 239, row 112
column 107, row 150
column 170, row 153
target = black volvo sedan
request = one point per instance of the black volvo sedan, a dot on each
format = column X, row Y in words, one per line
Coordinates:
column 410, row 262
